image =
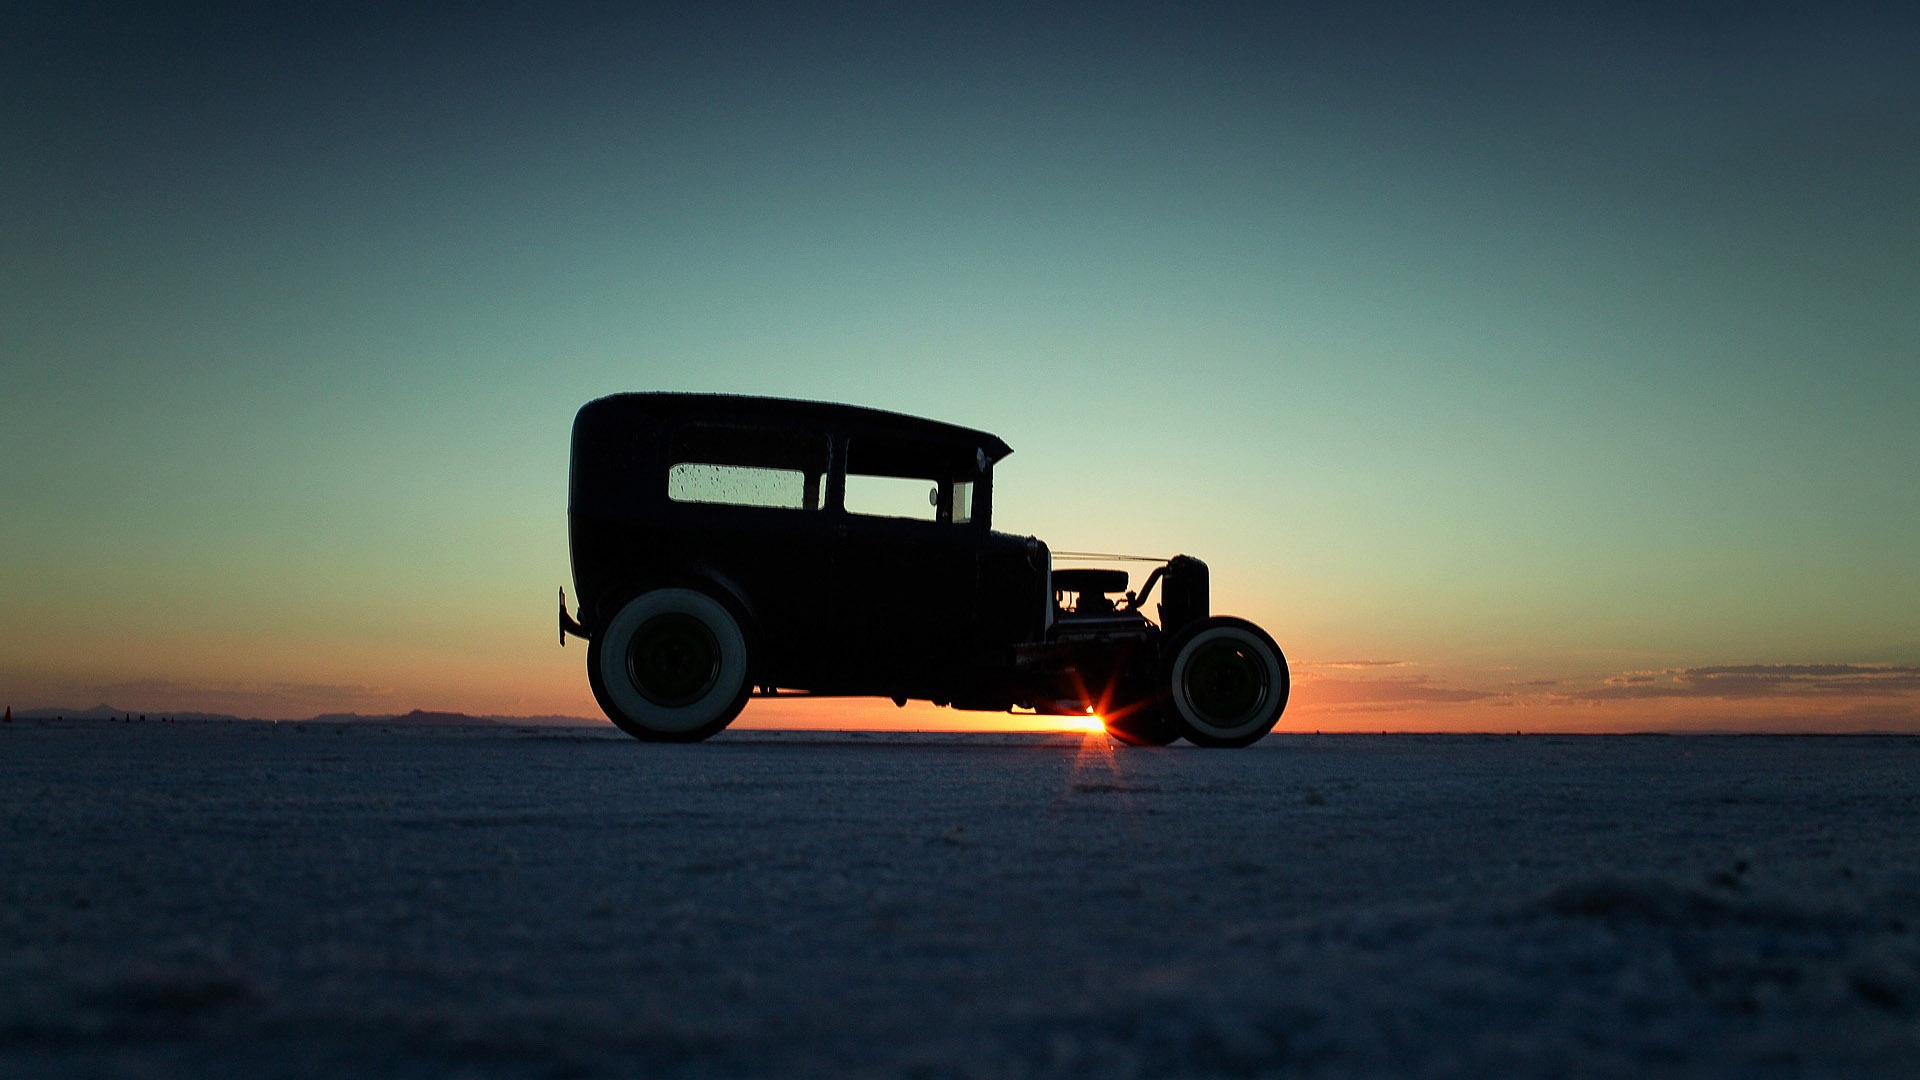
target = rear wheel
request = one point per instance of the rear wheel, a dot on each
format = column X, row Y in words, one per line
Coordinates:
column 1226, row 681
column 670, row 666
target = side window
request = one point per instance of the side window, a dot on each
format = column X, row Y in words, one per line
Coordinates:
column 733, row 466
column 892, row 496
column 736, row 485
column 918, row 481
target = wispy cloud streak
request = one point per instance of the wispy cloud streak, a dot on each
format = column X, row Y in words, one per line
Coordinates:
column 1751, row 681
column 1387, row 694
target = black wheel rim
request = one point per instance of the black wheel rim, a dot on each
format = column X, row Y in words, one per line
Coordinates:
column 674, row 660
column 1226, row 683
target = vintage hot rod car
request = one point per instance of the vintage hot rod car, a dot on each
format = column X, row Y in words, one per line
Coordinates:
column 725, row 547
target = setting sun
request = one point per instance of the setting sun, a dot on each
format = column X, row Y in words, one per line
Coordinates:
column 1090, row 724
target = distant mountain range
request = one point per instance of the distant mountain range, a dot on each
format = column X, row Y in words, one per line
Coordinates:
column 417, row 716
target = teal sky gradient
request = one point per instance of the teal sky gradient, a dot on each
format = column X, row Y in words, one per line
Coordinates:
column 1541, row 345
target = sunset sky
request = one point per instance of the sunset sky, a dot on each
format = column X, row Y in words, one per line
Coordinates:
column 1550, row 367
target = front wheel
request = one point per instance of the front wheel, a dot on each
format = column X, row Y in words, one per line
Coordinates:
column 670, row 666
column 1226, row 682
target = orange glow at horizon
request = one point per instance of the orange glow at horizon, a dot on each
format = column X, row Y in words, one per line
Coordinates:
column 1092, row 723
column 1306, row 717
column 879, row 714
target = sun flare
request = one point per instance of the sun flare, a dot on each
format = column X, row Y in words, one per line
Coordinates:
column 1090, row 724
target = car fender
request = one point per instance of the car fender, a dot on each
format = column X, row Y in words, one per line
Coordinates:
column 718, row 585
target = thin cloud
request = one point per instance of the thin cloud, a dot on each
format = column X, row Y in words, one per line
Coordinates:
column 1373, row 693
column 1350, row 664
column 1754, row 681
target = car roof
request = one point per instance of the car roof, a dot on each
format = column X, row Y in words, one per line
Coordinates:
column 857, row 419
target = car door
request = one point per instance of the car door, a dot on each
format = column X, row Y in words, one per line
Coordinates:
column 905, row 577
column 747, row 512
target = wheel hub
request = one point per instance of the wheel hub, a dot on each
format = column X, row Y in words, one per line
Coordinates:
column 1226, row 683
column 674, row 660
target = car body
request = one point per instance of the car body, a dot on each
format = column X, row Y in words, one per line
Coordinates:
column 726, row 546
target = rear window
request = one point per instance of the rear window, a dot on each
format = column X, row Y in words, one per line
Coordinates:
column 734, row 466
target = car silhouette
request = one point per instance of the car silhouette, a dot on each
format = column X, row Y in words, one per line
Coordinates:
column 726, row 547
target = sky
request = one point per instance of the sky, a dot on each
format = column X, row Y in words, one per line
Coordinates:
column 1518, row 366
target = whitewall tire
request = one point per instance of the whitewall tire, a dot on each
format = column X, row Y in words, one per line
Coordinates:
column 671, row 666
column 1226, row 682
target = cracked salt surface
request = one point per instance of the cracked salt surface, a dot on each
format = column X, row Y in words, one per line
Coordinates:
column 315, row 900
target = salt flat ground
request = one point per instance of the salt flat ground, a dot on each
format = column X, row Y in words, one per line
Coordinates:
column 265, row 900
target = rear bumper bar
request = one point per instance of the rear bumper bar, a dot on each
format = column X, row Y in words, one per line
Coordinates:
column 568, row 625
